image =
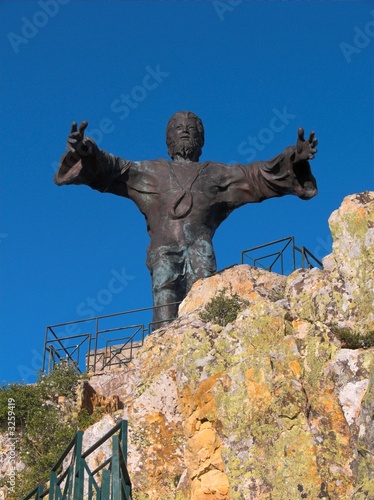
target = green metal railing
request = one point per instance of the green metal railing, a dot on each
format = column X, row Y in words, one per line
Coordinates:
column 284, row 256
column 96, row 343
column 109, row 481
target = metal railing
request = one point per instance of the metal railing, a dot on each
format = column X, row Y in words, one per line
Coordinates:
column 103, row 342
column 109, row 481
column 284, row 256
column 97, row 343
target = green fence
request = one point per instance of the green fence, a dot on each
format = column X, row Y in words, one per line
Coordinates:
column 75, row 480
column 281, row 256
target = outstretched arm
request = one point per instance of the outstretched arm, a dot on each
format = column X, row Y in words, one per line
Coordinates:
column 290, row 172
column 85, row 163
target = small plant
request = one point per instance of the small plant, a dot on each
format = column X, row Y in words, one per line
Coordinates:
column 86, row 419
column 223, row 308
column 351, row 340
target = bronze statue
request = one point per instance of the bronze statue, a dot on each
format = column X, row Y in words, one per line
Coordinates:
column 184, row 201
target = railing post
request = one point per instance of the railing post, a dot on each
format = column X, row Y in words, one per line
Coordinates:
column 302, row 251
column 105, row 485
column 79, row 468
column 116, row 478
column 293, row 254
column 68, row 491
column 282, row 263
column 52, row 486
column 44, row 349
column 39, row 492
column 88, row 355
column 96, row 340
column 123, row 445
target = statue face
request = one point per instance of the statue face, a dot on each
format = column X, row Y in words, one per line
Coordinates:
column 185, row 129
column 185, row 136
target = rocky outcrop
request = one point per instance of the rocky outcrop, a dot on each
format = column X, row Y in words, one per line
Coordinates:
column 342, row 295
column 278, row 404
column 88, row 399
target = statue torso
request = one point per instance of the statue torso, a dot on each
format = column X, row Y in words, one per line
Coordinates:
column 180, row 201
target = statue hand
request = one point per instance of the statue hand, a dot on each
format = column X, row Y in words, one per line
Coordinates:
column 305, row 149
column 76, row 142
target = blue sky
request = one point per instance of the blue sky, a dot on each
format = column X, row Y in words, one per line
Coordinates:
column 254, row 71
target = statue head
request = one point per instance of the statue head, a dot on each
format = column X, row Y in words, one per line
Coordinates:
column 185, row 136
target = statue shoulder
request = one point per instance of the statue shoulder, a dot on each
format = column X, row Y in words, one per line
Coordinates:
column 151, row 165
column 216, row 166
column 142, row 166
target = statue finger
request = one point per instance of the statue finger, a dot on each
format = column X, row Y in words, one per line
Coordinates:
column 300, row 139
column 311, row 137
column 82, row 127
column 312, row 153
column 73, row 127
column 300, row 134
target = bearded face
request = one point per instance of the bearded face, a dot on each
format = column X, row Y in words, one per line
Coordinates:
column 185, row 136
column 189, row 149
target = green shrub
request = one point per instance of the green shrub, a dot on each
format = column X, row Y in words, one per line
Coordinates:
column 223, row 308
column 352, row 340
column 42, row 434
column 86, row 419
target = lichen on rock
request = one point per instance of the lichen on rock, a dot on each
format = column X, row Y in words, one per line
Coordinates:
column 276, row 405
